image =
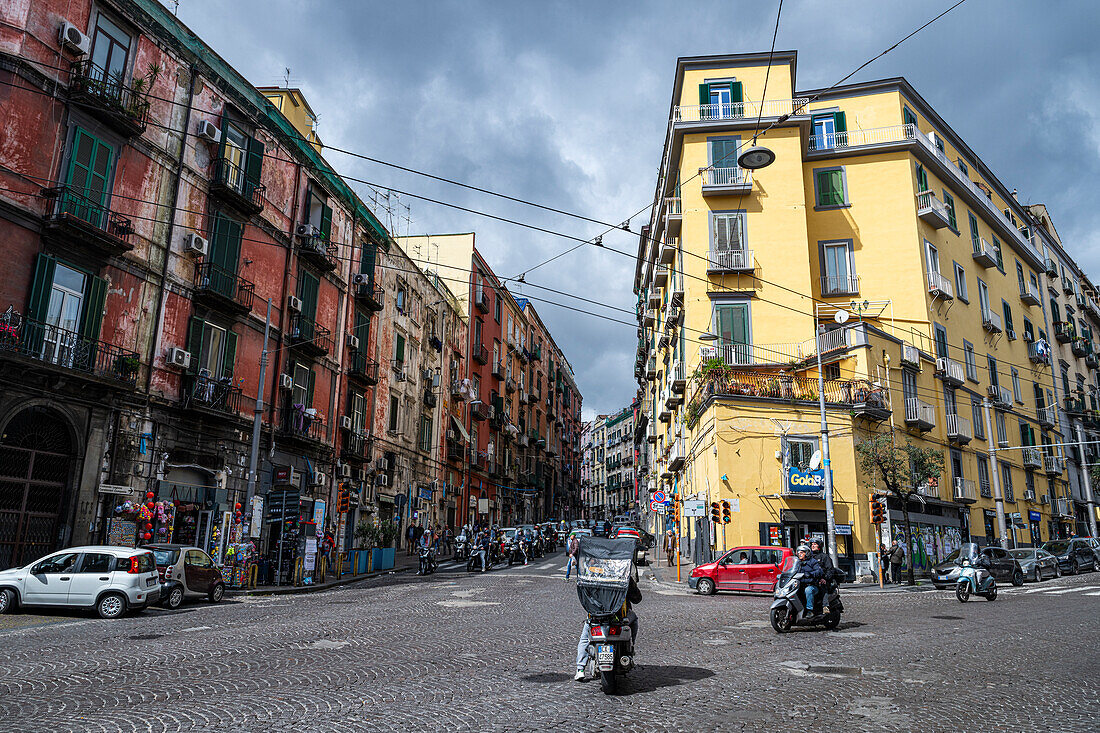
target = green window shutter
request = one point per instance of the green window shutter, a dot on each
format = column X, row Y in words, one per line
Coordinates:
column 309, row 387
column 225, row 135
column 309, row 203
column 399, row 351
column 704, row 94
column 326, row 221
column 253, row 165
column 91, row 316
column 229, row 359
column 840, row 121
column 922, row 179
column 44, row 267
column 366, row 262
column 307, row 291
column 735, row 92
column 1000, row 260
column 194, row 341
column 89, row 167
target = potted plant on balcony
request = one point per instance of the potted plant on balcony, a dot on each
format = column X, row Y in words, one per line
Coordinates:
column 126, row 367
column 9, row 335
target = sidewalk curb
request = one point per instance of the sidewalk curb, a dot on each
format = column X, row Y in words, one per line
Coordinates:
column 294, row 590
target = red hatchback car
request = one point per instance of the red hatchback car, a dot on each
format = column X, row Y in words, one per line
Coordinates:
column 754, row 569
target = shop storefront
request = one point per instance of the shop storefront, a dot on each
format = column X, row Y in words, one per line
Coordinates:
column 937, row 532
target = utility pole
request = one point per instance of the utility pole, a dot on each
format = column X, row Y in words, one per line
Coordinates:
column 996, row 478
column 254, row 458
column 830, row 517
column 1091, row 505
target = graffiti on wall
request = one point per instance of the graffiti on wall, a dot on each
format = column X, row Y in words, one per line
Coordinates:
column 931, row 543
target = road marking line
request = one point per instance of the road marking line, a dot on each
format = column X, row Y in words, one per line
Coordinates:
column 1073, row 590
column 1094, row 593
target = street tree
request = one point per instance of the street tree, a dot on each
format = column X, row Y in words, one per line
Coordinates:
column 900, row 470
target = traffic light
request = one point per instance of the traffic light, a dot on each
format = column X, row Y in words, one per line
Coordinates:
column 878, row 511
column 715, row 514
column 343, row 500
column 726, row 518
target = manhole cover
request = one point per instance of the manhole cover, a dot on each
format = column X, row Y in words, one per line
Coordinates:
column 949, row 618
column 145, row 637
column 830, row 669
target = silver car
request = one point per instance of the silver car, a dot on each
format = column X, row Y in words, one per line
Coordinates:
column 1036, row 563
column 109, row 579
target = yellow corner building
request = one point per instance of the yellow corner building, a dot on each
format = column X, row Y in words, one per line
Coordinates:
column 939, row 297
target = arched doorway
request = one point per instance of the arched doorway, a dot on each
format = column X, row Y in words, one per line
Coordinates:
column 36, row 456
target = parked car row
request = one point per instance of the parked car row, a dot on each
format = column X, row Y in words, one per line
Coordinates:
column 113, row 580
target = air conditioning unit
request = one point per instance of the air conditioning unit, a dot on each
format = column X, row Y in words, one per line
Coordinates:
column 1029, row 337
column 178, row 357
column 318, row 478
column 362, row 474
column 1011, row 334
column 73, row 39
column 196, row 245
column 352, row 341
column 451, row 435
column 209, row 132
column 294, row 304
column 1044, row 499
column 360, row 278
column 383, row 480
column 381, row 464
column 345, row 471
column 1029, row 495
column 402, row 376
column 426, row 373
column 306, row 230
column 345, row 422
column 286, row 382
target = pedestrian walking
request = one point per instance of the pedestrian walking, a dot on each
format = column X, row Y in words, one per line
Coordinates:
column 410, row 539
column 571, row 551
column 897, row 556
column 670, row 547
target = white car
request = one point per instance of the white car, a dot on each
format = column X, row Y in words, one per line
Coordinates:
column 109, row 579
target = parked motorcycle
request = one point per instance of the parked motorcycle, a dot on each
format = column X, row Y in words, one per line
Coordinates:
column 790, row 602
column 973, row 576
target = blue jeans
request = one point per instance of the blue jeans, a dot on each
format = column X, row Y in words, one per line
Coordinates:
column 569, row 565
column 811, row 593
column 582, row 647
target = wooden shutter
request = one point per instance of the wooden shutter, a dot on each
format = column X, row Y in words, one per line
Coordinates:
column 922, row 178
column 44, row 267
column 89, row 167
column 722, row 233
column 735, row 92
column 194, row 341
column 740, row 324
column 253, row 165
column 326, row 222
column 399, row 348
column 307, row 291
column 840, row 122
column 91, row 316
column 225, row 135
column 310, row 384
column 229, row 357
column 704, row 94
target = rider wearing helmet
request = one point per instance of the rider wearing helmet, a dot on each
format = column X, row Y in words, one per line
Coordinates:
column 811, row 574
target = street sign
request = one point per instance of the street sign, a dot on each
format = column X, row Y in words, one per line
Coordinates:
column 844, row 529
column 659, row 496
column 659, row 507
column 694, row 508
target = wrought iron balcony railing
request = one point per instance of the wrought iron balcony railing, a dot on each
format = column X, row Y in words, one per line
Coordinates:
column 68, row 350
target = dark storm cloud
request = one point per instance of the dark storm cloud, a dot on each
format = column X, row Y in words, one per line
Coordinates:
column 565, row 104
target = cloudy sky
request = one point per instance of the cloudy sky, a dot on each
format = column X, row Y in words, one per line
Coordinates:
column 565, row 104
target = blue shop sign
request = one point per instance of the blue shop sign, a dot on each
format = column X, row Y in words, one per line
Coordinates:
column 1034, row 515
column 426, row 494
column 805, row 482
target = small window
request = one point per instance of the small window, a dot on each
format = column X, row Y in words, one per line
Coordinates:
column 976, row 415
column 799, row 452
column 963, row 167
column 993, row 379
column 401, row 298
column 830, row 187
column 1016, row 385
column 1029, row 331
column 960, row 284
column 971, row 363
column 1008, row 320
column 395, row 414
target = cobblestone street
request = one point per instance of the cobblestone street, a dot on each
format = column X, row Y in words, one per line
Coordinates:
column 494, row 651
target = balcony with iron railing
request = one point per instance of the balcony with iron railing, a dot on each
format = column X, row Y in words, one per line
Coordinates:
column 919, row 414
column 910, row 356
column 1048, row 415
column 316, row 249
column 1029, row 293
column 358, row 447
column 965, row 491
column 991, row 321
column 1081, row 347
column 479, row 354
column 940, row 287
column 744, row 112
column 843, row 285
column 726, row 180
column 1054, row 465
column 481, row 299
column 81, row 222
column 125, row 107
column 1063, row 507
column 1000, row 396
column 983, row 252
column 479, row 411
column 203, row 393
column 233, row 186
column 959, row 429
column 932, row 211
column 1038, row 352
column 223, row 289
column 950, row 371
column 370, row 295
column 302, row 424
column 33, row 345
column 930, row 489
column 732, row 260
column 832, row 141
column 497, row 370
column 673, row 214
column 1031, row 457
column 362, row 368
column 668, row 248
column 308, row 337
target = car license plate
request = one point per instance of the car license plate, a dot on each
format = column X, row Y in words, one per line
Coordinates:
column 605, row 654
column 150, row 581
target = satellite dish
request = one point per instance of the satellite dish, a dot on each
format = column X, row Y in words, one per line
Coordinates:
column 841, row 316
column 815, row 460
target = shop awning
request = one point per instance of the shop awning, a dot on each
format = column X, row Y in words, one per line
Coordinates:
column 461, row 430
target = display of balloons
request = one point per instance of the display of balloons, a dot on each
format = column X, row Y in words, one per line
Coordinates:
column 148, row 536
